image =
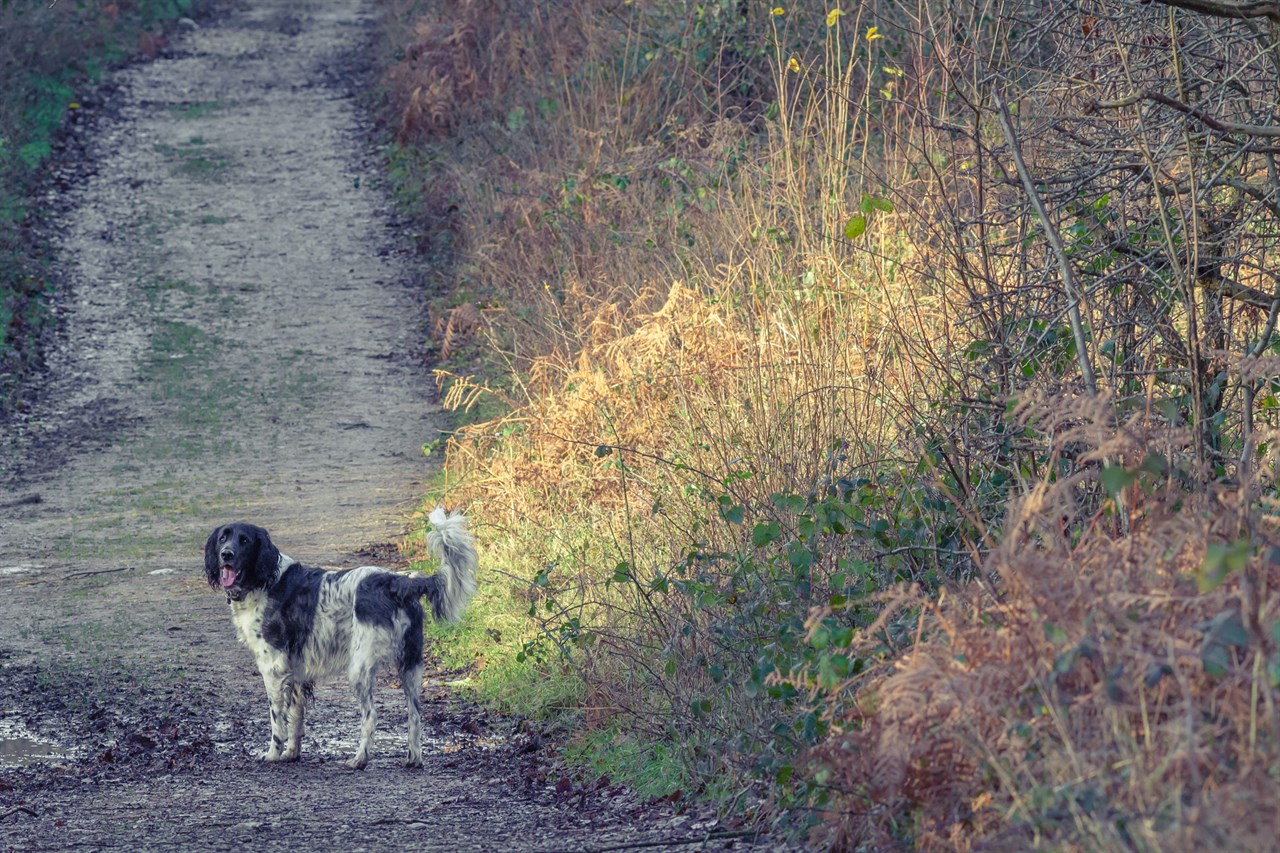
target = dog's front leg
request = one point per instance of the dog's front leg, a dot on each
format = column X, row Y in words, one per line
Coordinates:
column 297, row 707
column 278, row 695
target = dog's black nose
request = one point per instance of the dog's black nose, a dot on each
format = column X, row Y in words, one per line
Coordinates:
column 227, row 554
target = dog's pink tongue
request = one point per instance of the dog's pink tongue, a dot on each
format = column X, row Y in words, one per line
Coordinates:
column 228, row 576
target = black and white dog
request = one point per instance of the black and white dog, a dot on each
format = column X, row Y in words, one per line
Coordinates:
column 303, row 624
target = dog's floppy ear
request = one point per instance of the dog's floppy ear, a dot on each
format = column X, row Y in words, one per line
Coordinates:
column 267, row 565
column 211, row 564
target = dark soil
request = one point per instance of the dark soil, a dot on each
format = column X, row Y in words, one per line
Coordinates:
column 238, row 337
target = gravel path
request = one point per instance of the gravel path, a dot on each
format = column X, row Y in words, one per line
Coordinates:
column 237, row 338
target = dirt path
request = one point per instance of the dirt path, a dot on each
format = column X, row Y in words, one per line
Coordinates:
column 236, row 340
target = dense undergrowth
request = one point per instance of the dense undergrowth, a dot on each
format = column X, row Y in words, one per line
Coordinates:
column 868, row 413
column 50, row 53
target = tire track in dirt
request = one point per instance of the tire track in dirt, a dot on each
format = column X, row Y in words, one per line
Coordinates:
column 236, row 340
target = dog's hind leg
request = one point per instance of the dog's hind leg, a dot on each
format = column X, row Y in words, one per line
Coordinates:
column 361, row 673
column 296, row 712
column 411, row 681
column 362, row 683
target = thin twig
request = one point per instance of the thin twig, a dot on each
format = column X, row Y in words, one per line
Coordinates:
column 1074, row 296
column 13, row 811
column 98, row 572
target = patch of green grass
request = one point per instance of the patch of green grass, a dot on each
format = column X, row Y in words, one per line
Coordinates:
column 650, row 769
column 197, row 109
column 194, row 161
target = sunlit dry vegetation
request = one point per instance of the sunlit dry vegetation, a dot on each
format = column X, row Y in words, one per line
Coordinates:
column 868, row 410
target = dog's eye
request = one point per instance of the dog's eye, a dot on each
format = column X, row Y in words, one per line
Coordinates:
column 244, row 540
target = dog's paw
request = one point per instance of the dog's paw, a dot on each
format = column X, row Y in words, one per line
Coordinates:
column 291, row 755
column 413, row 761
column 269, row 756
column 358, row 762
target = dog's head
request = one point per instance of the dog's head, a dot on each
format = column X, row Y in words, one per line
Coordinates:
column 239, row 558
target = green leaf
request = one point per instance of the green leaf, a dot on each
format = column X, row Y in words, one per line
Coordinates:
column 1155, row 463
column 765, row 532
column 1114, row 478
column 855, row 226
column 799, row 556
column 882, row 204
column 1054, row 634
column 1226, row 628
column 1220, row 560
column 1216, row 660
column 732, row 514
column 621, row 573
column 1221, row 633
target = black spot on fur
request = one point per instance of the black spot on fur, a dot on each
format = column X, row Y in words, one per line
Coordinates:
column 435, row 594
column 380, row 596
column 291, row 608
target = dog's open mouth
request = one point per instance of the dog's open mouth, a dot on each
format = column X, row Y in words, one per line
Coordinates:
column 229, row 577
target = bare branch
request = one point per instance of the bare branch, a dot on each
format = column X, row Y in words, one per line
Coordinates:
column 1223, row 9
column 1195, row 112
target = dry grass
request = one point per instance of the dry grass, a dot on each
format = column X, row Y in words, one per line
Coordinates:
column 1100, row 700
column 702, row 277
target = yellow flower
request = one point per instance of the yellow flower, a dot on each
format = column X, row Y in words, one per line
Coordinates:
column 778, row 11
column 872, row 35
column 793, row 64
column 833, row 16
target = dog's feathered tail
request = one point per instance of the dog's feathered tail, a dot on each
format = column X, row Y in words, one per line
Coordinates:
column 453, row 545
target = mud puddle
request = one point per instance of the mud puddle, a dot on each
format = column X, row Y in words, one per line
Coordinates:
column 19, row 746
